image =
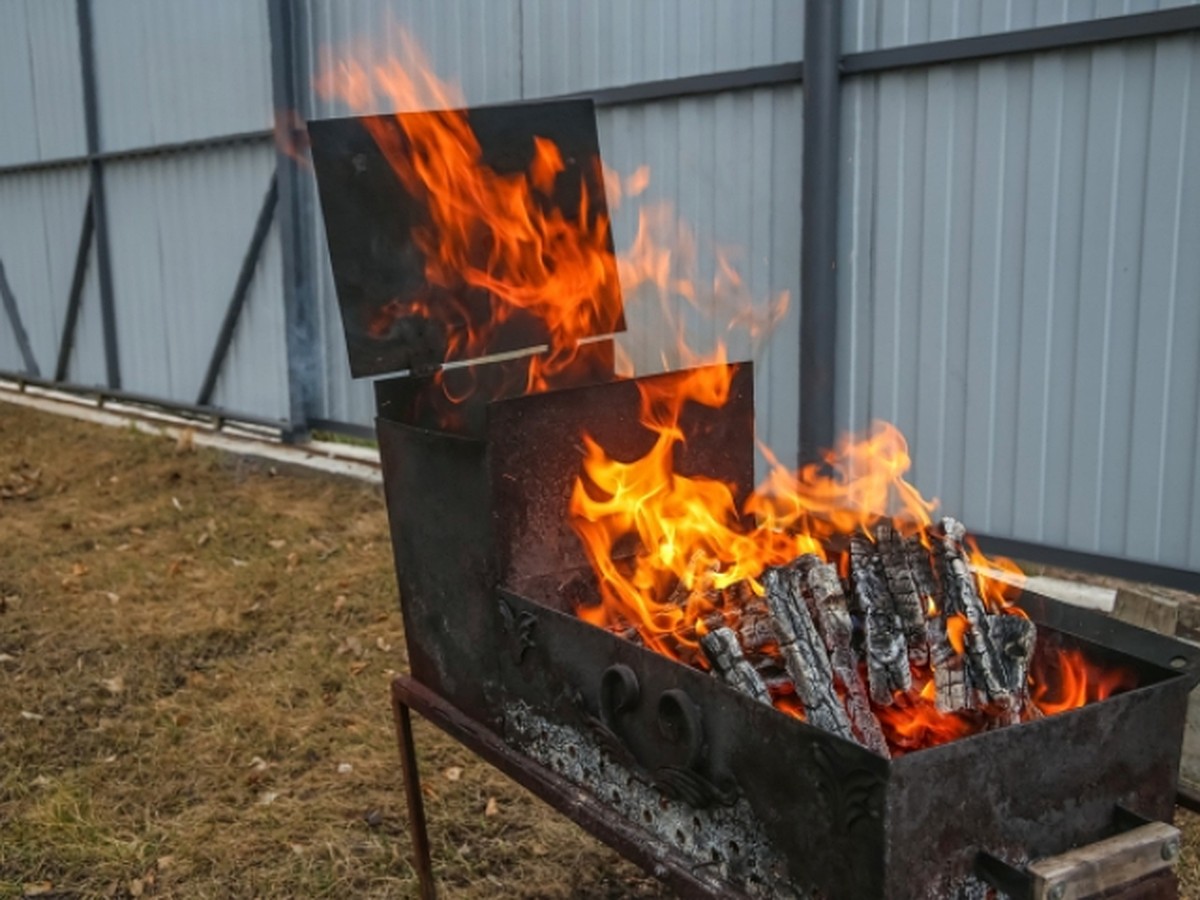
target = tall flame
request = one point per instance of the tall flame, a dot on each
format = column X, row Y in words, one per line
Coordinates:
column 492, row 232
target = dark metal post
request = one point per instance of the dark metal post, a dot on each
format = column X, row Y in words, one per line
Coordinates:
column 412, row 791
column 76, row 298
column 819, row 224
column 240, row 290
column 299, row 294
column 18, row 327
column 108, row 315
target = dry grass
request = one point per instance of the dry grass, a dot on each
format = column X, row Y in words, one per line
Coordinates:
column 194, row 661
column 194, row 690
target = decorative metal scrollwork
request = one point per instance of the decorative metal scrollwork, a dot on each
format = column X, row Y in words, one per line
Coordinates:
column 680, row 726
column 520, row 630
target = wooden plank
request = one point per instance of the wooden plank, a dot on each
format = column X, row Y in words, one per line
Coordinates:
column 1106, row 865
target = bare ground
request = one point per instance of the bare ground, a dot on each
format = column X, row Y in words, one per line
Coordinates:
column 194, row 659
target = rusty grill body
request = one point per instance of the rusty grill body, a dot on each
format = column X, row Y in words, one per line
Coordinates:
column 748, row 799
column 715, row 793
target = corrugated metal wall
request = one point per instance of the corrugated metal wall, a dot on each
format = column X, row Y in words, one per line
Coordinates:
column 1020, row 289
column 179, row 222
column 728, row 164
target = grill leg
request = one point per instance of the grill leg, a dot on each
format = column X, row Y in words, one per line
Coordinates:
column 416, row 805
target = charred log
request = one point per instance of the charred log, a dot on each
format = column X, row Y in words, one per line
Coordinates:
column 829, row 609
column 1015, row 638
column 725, row 655
column 950, row 680
column 960, row 597
column 910, row 579
column 803, row 651
column 886, row 647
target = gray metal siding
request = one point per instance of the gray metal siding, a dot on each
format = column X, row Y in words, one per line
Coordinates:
column 43, row 91
column 728, row 166
column 583, row 46
column 474, row 43
column 181, row 70
column 1020, row 290
column 185, row 222
column 39, row 231
column 876, row 24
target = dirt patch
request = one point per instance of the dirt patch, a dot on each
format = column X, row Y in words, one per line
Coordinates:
column 194, row 659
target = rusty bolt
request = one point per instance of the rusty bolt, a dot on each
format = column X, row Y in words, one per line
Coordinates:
column 1170, row 850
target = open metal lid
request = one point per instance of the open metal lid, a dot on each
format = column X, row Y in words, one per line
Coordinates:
column 403, row 311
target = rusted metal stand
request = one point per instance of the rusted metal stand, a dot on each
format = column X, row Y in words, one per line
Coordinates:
column 412, row 790
column 655, row 858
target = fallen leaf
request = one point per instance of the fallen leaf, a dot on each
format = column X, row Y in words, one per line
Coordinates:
column 204, row 538
column 164, row 862
column 137, row 887
column 492, row 808
column 111, row 758
column 186, row 441
column 373, row 818
column 258, row 764
column 114, row 685
column 175, row 503
column 266, row 798
column 79, row 570
column 135, row 530
column 357, row 668
column 277, row 544
column 37, row 888
column 344, row 768
column 175, row 566
column 238, row 562
column 7, row 658
column 453, row 773
column 339, row 603
column 382, row 644
column 31, row 716
column 41, row 781
column 293, row 560
column 350, row 645
column 112, row 598
column 181, row 720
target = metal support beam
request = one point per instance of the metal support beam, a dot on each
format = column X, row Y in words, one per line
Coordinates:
column 295, row 216
column 1030, row 40
column 696, row 85
column 249, row 262
column 108, row 315
column 76, row 299
column 819, row 225
column 18, row 327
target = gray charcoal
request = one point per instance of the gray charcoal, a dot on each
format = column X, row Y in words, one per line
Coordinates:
column 804, row 652
column 829, row 609
column 886, row 647
column 725, row 655
column 950, row 678
column 1014, row 638
column 910, row 579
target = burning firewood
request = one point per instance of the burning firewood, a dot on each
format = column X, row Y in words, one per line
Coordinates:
column 803, row 651
column 723, row 652
column 961, row 598
column 910, row 579
column 828, row 606
column 886, row 648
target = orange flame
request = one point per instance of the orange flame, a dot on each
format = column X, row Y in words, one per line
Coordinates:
column 1067, row 680
column 491, row 232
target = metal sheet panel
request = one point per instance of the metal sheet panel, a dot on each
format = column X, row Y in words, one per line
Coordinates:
column 40, row 218
column 876, row 24
column 474, row 43
column 184, row 223
column 41, row 105
column 727, row 169
column 180, row 71
column 581, row 46
column 1019, row 291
